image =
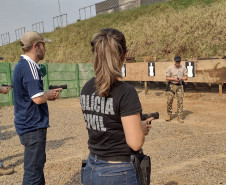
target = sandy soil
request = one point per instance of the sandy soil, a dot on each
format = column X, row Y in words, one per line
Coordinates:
column 193, row 152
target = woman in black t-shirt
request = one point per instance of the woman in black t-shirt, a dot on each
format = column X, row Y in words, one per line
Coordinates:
column 111, row 109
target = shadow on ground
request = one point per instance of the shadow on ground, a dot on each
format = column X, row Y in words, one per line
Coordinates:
column 186, row 113
column 8, row 135
column 6, row 127
column 18, row 162
column 51, row 145
column 75, row 180
column 54, row 144
column 171, row 183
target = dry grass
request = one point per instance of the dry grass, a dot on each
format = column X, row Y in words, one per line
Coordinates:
column 188, row 28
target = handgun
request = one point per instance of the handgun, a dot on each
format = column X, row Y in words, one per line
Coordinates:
column 5, row 85
column 149, row 115
column 180, row 81
column 58, row 86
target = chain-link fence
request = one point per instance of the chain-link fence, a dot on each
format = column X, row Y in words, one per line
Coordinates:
column 39, row 27
column 87, row 12
column 5, row 38
column 19, row 32
column 60, row 21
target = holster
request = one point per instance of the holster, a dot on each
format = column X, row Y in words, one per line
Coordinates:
column 143, row 166
column 84, row 163
column 184, row 86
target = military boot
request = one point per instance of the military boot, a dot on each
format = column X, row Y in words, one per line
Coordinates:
column 168, row 117
column 4, row 171
column 180, row 120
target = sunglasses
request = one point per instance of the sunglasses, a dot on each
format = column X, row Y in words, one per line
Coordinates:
column 38, row 43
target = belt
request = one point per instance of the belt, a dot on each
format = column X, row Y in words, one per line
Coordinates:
column 175, row 84
column 126, row 158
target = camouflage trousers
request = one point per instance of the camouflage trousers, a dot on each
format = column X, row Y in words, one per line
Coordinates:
column 179, row 92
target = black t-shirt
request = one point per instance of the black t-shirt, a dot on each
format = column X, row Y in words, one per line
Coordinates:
column 103, row 117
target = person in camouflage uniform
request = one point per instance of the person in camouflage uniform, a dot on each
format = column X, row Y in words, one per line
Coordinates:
column 176, row 74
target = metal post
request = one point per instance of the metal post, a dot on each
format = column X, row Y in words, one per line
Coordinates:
column 58, row 21
column 77, row 79
column 16, row 35
column 43, row 26
column 80, row 14
column 66, row 20
column 85, row 12
column 54, row 25
column 145, row 88
column 220, row 89
column 2, row 39
column 46, row 78
column 61, row 25
column 90, row 11
column 9, row 81
column 9, row 37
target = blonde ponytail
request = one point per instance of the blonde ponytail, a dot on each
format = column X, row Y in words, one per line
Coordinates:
column 109, row 48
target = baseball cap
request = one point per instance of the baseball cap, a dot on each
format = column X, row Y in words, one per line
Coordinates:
column 1, row 58
column 177, row 58
column 31, row 37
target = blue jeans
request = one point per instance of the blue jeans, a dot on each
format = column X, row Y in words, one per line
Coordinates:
column 98, row 172
column 34, row 156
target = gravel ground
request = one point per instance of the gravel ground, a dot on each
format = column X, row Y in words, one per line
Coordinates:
column 189, row 153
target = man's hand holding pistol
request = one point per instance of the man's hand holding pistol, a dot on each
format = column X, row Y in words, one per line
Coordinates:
column 54, row 91
column 4, row 89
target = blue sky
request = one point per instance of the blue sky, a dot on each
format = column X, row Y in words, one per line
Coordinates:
column 15, row 14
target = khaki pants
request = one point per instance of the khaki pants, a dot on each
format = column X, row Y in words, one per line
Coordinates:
column 179, row 92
